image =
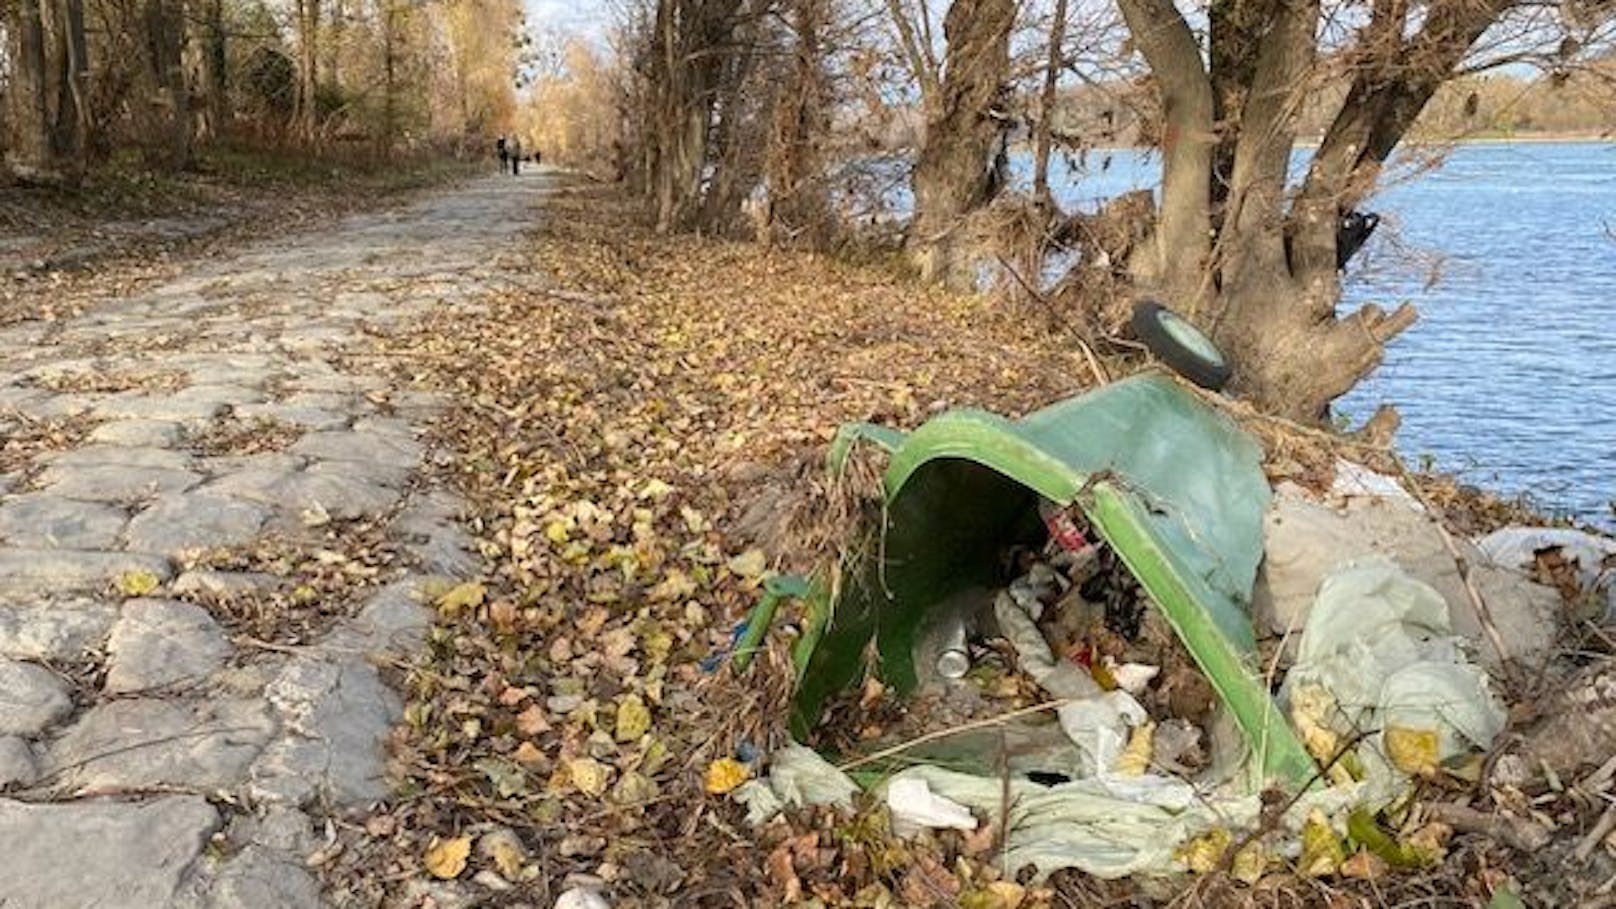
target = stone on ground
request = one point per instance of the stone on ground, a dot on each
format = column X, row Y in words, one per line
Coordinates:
column 31, row 698
column 161, row 644
column 109, row 855
column 145, row 743
column 182, row 523
column 53, row 522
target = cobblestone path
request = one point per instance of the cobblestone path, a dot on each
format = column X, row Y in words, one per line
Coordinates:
column 216, row 524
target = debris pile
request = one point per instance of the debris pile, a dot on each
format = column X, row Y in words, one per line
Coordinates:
column 1085, row 676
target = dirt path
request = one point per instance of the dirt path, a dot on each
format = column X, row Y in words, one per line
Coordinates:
column 215, row 526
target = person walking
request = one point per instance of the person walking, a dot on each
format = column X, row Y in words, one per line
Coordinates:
column 501, row 149
column 515, row 148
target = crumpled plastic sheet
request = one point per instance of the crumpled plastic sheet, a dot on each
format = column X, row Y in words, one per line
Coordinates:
column 1096, row 721
column 1516, row 548
column 798, row 776
column 1377, row 641
column 1380, row 643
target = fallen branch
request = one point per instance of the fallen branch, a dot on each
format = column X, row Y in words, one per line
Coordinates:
column 984, row 723
column 1601, row 829
column 1517, row 833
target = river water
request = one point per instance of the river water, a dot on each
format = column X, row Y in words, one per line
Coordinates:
column 1508, row 250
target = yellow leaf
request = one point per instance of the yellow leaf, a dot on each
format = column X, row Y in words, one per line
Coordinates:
column 506, row 852
column 589, row 775
column 676, row 586
column 1322, row 851
column 137, row 582
column 556, row 532
column 445, row 859
column 750, row 564
column 461, row 597
column 655, row 489
column 724, row 774
column 633, row 718
column 1414, row 751
column 1203, row 854
column 1135, row 759
column 1250, row 863
column 528, row 753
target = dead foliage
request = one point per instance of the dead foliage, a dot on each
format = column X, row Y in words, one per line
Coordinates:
column 640, row 440
column 238, row 437
column 310, row 580
column 24, row 438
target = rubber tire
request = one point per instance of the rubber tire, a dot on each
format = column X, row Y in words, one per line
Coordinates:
column 1150, row 325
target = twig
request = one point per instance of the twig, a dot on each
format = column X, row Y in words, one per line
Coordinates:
column 936, row 734
column 1484, row 615
column 1602, row 828
column 1101, row 377
column 1522, row 835
column 1597, row 780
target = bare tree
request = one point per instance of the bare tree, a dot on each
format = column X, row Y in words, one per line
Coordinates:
column 798, row 210
column 1232, row 245
column 960, row 165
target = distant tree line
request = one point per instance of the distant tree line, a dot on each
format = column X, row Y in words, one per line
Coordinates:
column 85, row 79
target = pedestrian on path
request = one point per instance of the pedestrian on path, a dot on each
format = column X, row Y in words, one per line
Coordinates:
column 515, row 148
column 501, row 149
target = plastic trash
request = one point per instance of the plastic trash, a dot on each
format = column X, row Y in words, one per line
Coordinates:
column 915, row 807
column 1378, row 644
column 798, row 776
column 581, row 898
column 1097, row 721
column 1516, row 548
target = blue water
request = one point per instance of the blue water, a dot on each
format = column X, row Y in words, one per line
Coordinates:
column 1508, row 251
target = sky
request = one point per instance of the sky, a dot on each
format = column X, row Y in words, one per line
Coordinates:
column 588, row 18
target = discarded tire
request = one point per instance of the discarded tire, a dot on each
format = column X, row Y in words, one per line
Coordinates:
column 1180, row 345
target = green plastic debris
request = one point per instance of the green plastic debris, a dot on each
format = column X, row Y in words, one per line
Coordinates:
column 775, row 590
column 1174, row 487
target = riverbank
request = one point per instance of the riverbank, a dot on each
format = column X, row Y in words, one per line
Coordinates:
column 622, row 433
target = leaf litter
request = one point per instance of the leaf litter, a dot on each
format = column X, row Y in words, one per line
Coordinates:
column 641, row 439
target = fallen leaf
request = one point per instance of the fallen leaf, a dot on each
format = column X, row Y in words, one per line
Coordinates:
column 445, row 859
column 503, row 614
column 528, row 753
column 137, row 582
column 633, row 718
column 461, row 597
column 508, row 779
column 1322, row 850
column 1365, row 866
column 725, row 774
column 750, row 564
column 505, row 851
column 1135, row 758
column 1414, row 751
column 532, row 721
column 589, row 775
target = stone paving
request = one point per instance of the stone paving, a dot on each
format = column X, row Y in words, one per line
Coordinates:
column 152, row 753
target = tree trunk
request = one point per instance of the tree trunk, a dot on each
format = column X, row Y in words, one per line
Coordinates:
column 957, row 171
column 216, row 71
column 308, row 69
column 29, row 152
column 166, row 115
column 799, row 212
column 1235, row 250
column 1174, row 261
column 1046, row 107
column 690, row 42
column 72, row 117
